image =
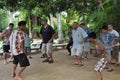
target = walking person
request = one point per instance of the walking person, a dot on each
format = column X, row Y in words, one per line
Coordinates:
column 115, row 51
column 79, row 36
column 101, row 48
column 86, row 48
column 70, row 43
column 6, row 44
column 47, row 34
column 17, row 48
column 107, row 39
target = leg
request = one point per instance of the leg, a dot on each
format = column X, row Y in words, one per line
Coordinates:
column 68, row 48
column 18, row 75
column 13, row 70
column 99, row 76
column 44, row 52
column 5, row 58
column 49, row 51
column 76, row 62
column 11, row 58
column 29, row 50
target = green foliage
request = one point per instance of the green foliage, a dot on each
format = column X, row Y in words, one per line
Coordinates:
column 3, row 19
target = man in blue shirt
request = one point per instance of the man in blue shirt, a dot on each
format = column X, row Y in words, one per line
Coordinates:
column 86, row 43
column 78, row 35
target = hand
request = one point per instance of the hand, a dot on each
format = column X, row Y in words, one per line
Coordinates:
column 50, row 41
column 81, row 42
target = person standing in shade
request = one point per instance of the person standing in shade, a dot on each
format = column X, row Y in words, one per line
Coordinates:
column 17, row 48
column 79, row 36
column 47, row 34
column 6, row 44
column 28, row 42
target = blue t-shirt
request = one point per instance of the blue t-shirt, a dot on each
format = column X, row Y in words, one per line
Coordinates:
column 28, row 41
column 106, row 39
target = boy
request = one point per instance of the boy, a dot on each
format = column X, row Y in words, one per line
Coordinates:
column 28, row 42
column 99, row 46
column 107, row 39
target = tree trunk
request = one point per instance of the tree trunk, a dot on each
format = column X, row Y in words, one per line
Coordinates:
column 60, row 33
column 51, row 20
column 11, row 16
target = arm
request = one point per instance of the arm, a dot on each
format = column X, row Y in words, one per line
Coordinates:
column 3, row 33
column 52, row 38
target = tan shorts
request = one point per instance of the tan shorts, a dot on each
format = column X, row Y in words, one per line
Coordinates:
column 86, row 47
column 47, row 48
column 76, row 52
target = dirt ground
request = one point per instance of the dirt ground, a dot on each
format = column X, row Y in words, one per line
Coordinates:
column 62, row 69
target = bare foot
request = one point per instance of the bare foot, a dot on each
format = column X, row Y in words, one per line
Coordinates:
column 18, row 78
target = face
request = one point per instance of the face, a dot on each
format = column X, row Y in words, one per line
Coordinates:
column 110, row 28
column 43, row 23
column 75, row 25
column 92, row 39
column 82, row 26
column 23, row 27
column 104, row 31
column 10, row 26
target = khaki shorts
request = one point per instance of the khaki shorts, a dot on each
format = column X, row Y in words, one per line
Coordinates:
column 86, row 47
column 47, row 48
column 76, row 52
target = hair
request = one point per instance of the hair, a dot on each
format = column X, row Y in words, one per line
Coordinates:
column 105, row 27
column 92, row 35
column 21, row 23
column 11, row 24
column 75, row 22
column 82, row 24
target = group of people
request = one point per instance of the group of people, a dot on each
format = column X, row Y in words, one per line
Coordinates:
column 83, row 41
column 14, row 41
column 79, row 45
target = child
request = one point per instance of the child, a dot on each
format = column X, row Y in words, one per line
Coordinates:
column 99, row 46
column 28, row 42
column 107, row 40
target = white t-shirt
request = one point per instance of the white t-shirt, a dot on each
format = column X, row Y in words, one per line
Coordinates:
column 115, row 33
column 16, row 38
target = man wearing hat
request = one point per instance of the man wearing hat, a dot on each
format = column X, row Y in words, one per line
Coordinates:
column 47, row 34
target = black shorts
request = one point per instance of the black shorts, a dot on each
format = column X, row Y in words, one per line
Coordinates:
column 6, row 48
column 21, row 59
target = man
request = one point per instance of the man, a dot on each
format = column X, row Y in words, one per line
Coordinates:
column 17, row 48
column 99, row 46
column 47, row 34
column 6, row 45
column 115, row 45
column 86, row 44
column 70, row 43
column 79, row 36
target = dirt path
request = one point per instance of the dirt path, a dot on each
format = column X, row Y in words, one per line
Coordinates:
column 62, row 69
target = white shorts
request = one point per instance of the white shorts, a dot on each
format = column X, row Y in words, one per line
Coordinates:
column 77, row 51
column 47, row 48
column 86, row 47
